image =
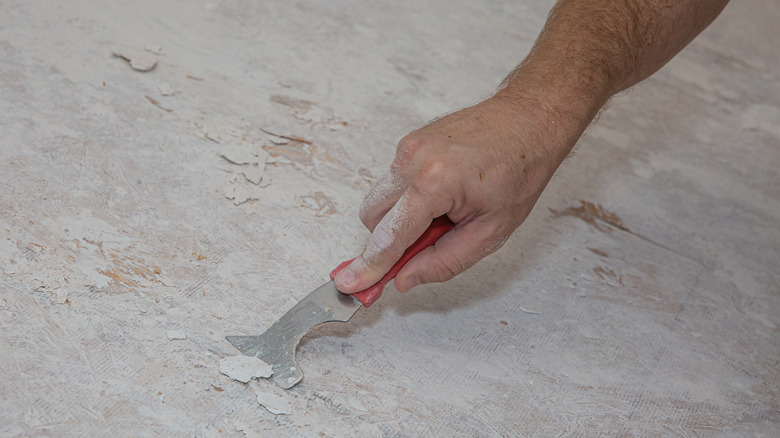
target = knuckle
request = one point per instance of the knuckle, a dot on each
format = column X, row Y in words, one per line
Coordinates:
column 365, row 219
column 449, row 268
column 434, row 171
column 432, row 179
column 364, row 213
column 408, row 147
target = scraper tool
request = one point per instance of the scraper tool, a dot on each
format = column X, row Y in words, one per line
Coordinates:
column 277, row 345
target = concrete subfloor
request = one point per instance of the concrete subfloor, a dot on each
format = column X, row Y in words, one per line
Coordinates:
column 641, row 298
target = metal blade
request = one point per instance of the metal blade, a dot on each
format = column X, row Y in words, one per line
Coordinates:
column 277, row 345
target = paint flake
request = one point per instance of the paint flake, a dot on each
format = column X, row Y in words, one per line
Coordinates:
column 242, row 154
column 254, row 173
column 275, row 402
column 244, row 368
column 176, row 334
column 166, row 89
column 138, row 59
column 531, row 310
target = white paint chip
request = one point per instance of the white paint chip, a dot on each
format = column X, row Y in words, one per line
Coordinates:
column 61, row 296
column 244, row 368
column 254, row 173
column 155, row 49
column 246, row 430
column 166, row 89
column 138, row 59
column 252, row 159
column 274, row 401
column 243, row 154
column 176, row 334
column 275, row 139
column 238, row 191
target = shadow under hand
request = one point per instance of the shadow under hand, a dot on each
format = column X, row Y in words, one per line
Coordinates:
column 494, row 276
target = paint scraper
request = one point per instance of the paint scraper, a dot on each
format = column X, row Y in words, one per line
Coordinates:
column 277, row 345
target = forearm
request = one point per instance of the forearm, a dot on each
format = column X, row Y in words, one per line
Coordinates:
column 590, row 50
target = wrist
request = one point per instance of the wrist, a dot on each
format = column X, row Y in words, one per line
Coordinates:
column 560, row 111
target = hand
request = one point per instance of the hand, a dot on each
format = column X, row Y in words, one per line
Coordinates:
column 483, row 166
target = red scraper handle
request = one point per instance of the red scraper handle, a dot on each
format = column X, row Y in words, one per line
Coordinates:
column 439, row 227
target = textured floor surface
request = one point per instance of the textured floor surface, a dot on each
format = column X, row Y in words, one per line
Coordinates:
column 641, row 298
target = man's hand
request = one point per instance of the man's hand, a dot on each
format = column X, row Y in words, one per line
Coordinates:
column 487, row 165
column 483, row 166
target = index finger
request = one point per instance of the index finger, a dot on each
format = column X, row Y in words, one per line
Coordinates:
column 397, row 230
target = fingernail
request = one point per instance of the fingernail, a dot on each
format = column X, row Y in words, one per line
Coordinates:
column 410, row 282
column 346, row 277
